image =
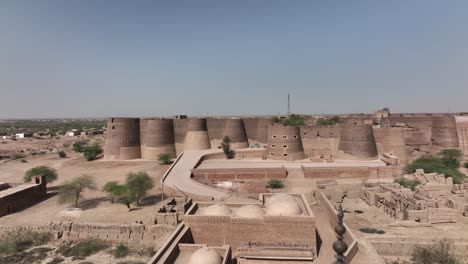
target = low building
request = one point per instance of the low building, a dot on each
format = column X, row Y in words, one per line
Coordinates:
column 24, row 135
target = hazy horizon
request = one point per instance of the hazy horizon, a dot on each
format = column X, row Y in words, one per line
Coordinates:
column 79, row 59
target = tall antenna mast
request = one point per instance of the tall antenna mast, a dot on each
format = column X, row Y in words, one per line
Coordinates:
column 289, row 105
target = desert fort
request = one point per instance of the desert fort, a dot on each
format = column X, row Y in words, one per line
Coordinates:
column 226, row 190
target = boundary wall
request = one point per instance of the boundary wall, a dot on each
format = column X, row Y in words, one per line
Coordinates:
column 239, row 173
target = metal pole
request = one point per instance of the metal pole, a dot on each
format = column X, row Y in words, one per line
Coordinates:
column 339, row 245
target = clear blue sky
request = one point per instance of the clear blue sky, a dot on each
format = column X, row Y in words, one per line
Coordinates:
column 91, row 58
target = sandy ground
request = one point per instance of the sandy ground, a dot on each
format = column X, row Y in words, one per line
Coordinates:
column 95, row 205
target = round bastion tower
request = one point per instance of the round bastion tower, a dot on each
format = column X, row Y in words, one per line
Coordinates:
column 284, row 143
column 444, row 131
column 358, row 140
column 122, row 139
column 191, row 134
column 218, row 128
column 157, row 137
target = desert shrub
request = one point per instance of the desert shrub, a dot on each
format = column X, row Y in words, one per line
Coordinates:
column 56, row 260
column 71, row 191
column 120, row 251
column 42, row 152
column 275, row 184
column 451, row 157
column 18, row 156
column 92, row 152
column 328, row 121
column 407, row 183
column 432, row 164
column 79, row 146
column 138, row 184
column 226, row 146
column 369, row 230
column 147, row 251
column 465, row 164
column 440, row 253
column 50, row 173
column 34, row 153
column 84, row 248
column 358, row 211
column 24, row 161
column 165, row 158
column 16, row 241
column 293, row 120
column 62, row 154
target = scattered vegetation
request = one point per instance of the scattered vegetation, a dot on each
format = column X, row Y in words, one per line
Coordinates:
column 226, row 146
column 138, row 185
column 18, row 156
column 16, row 241
column 434, row 164
column 293, row 120
column 328, row 121
column 72, row 190
column 62, row 154
column 439, row 253
column 120, row 251
column 358, row 211
column 80, row 146
column 407, row 183
column 275, row 184
column 165, row 159
column 24, row 161
column 115, row 190
column 50, row 173
column 369, row 230
column 92, row 152
column 53, row 126
column 451, row 157
column 84, row 248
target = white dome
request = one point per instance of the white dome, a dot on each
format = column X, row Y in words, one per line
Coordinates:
column 217, row 210
column 283, row 204
column 206, row 255
column 250, row 211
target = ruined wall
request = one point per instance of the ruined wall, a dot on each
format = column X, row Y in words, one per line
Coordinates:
column 357, row 172
column 392, row 140
column 156, row 137
column 444, row 132
column 218, row 128
column 191, row 134
column 358, row 141
column 320, row 142
column 284, row 143
column 462, row 129
column 122, row 139
column 257, row 130
column 22, row 196
column 239, row 173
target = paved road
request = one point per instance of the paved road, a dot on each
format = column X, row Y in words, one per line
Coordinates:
column 178, row 176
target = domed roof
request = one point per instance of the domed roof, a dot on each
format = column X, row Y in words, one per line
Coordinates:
column 206, row 255
column 283, row 204
column 250, row 211
column 217, row 209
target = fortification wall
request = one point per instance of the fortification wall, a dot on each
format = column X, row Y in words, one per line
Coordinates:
column 218, row 128
column 22, row 196
column 358, row 141
column 320, row 142
column 257, row 130
column 392, row 140
column 462, row 130
column 444, row 132
column 361, row 172
column 156, row 137
column 122, row 139
column 284, row 143
column 239, row 173
column 422, row 121
column 191, row 134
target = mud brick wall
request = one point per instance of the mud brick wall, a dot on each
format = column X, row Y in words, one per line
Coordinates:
column 239, row 173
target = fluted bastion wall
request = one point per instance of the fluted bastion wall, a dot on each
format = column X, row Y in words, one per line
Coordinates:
column 284, row 143
column 122, row 139
column 358, row 141
column 191, row 134
column 391, row 140
column 156, row 137
column 444, row 131
column 462, row 128
column 257, row 129
column 218, row 128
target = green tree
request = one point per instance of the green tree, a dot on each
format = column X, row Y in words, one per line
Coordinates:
column 115, row 190
column 293, row 120
column 226, row 146
column 92, row 152
column 62, row 154
column 165, row 158
column 433, row 164
column 72, row 190
column 451, row 157
column 275, row 184
column 79, row 145
column 138, row 184
column 50, row 173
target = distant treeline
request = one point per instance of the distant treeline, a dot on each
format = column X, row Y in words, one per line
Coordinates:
column 51, row 125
